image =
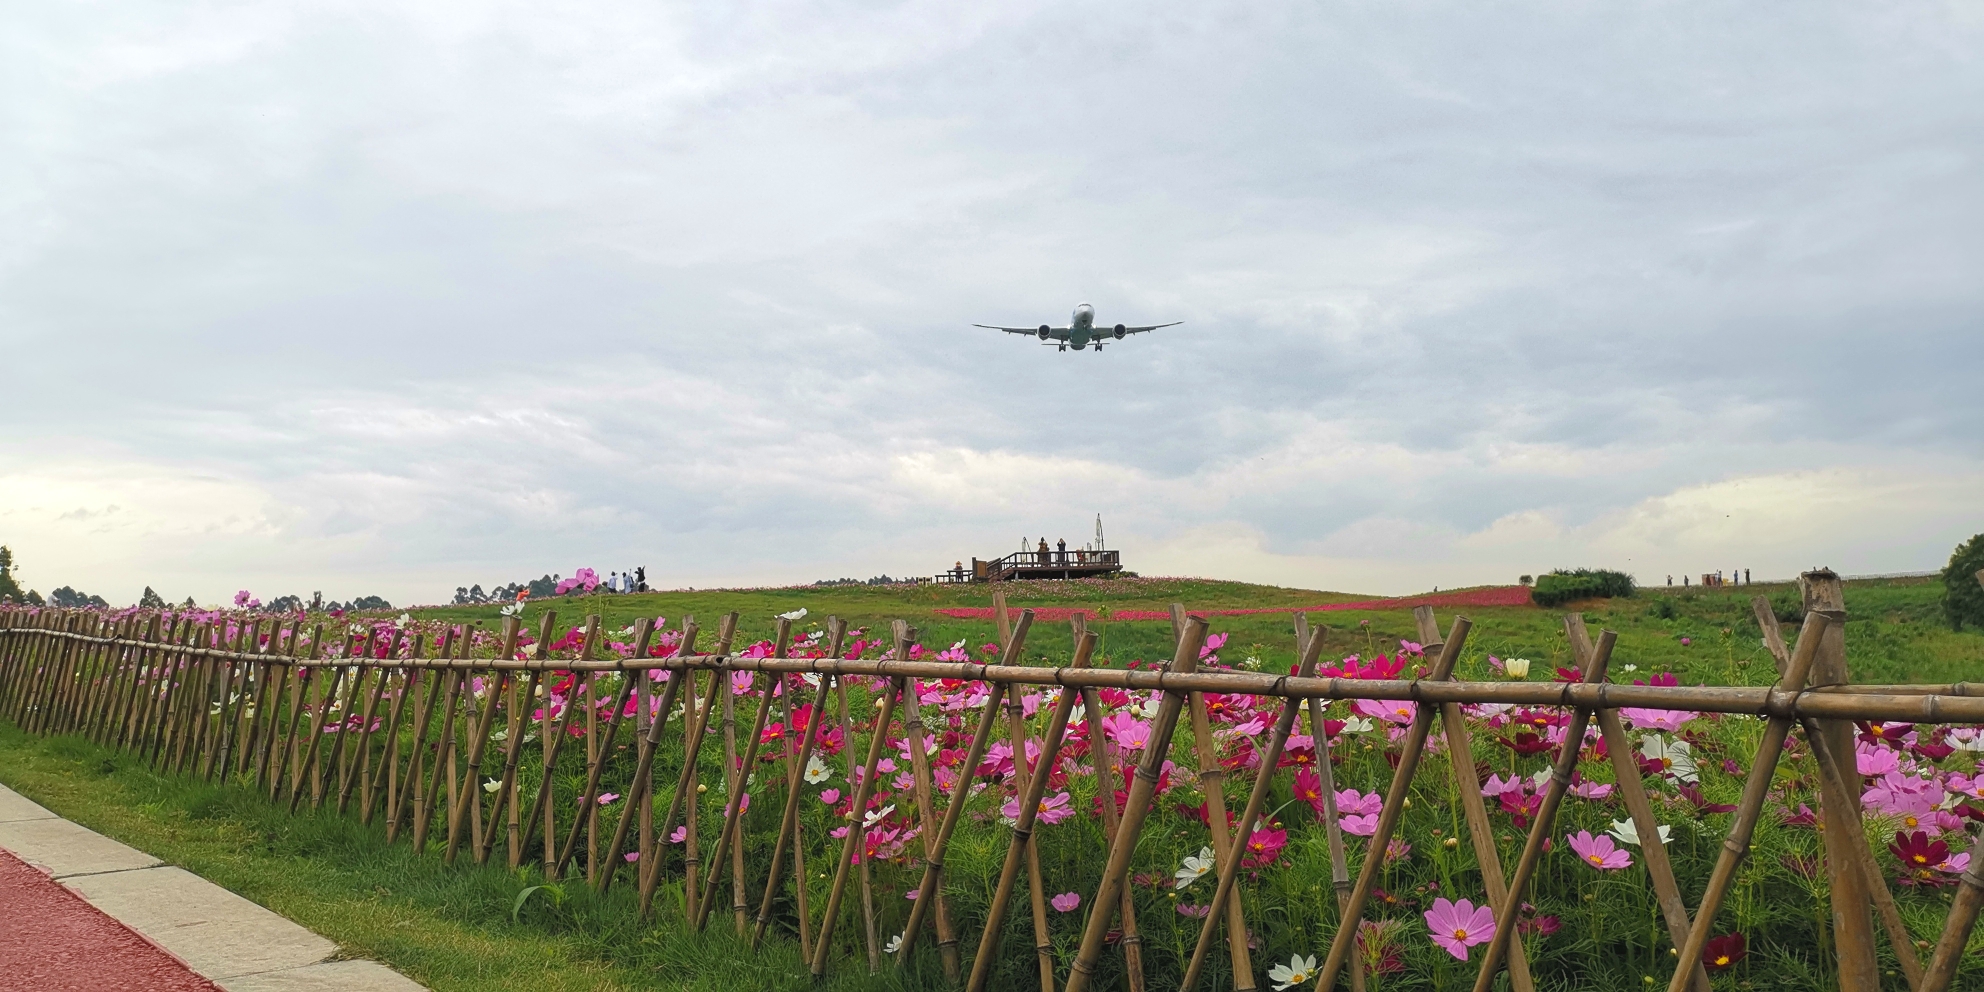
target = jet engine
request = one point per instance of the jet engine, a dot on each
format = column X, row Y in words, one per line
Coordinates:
column 1044, row 331
column 1121, row 331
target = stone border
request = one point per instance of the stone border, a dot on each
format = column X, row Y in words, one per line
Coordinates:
column 235, row 943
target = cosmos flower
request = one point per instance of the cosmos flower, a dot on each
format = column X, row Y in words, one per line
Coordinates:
column 1628, row 832
column 1722, row 953
column 1066, row 902
column 1598, row 852
column 1457, row 926
column 1194, row 868
column 1298, row 971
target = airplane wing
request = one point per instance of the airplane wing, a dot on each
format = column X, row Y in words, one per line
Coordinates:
column 1110, row 331
column 1055, row 333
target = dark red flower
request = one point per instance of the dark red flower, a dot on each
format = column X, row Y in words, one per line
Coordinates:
column 1884, row 733
column 1525, row 743
column 1700, row 802
column 1722, row 953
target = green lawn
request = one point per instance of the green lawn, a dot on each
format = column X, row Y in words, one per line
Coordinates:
column 452, row 927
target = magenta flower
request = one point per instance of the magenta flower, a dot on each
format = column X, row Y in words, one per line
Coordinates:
column 606, row 798
column 1066, row 902
column 1598, row 852
column 1053, row 809
column 1360, row 826
column 1457, row 926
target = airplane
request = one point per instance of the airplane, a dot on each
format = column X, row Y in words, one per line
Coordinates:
column 1081, row 330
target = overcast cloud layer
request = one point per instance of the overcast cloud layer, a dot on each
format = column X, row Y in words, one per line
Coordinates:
column 380, row 298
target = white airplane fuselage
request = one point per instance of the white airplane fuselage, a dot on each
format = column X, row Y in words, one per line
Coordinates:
column 1081, row 327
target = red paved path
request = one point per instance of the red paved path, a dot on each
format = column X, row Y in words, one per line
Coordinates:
column 53, row 941
column 1493, row 596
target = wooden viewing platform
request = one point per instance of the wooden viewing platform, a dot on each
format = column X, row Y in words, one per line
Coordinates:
column 1073, row 563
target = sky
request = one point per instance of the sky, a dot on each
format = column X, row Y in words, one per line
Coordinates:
column 387, row 298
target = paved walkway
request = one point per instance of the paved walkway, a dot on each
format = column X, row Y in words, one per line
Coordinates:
column 100, row 915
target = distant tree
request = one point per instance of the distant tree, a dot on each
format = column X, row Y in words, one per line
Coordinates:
column 370, row 603
column 544, row 587
column 189, row 604
column 1526, row 580
column 33, row 598
column 67, row 598
column 151, row 600
column 1963, row 597
column 284, row 604
column 8, row 585
column 461, row 595
column 476, row 595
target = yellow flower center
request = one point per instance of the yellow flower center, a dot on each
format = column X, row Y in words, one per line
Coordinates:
column 1911, row 820
column 1594, row 859
column 1460, row 933
column 1722, row 960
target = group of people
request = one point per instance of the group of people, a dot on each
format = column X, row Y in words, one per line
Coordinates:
column 1737, row 577
column 634, row 581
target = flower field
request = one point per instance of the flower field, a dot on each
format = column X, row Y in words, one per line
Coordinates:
column 1589, row 919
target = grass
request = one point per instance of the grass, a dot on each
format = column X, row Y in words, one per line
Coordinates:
column 452, row 927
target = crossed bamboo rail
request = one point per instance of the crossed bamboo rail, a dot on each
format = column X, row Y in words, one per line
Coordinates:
column 189, row 699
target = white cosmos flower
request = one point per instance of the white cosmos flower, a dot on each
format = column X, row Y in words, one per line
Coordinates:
column 405, row 618
column 492, row 785
column 1628, row 832
column 516, row 609
column 798, row 614
column 1516, row 668
column 1676, row 756
column 878, row 815
column 894, row 945
column 1356, row 724
column 1298, row 971
column 1194, row 868
column 817, row 770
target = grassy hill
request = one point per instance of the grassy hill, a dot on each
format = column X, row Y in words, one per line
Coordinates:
column 1894, row 628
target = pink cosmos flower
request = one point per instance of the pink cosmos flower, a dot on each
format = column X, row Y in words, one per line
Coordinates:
column 1309, row 789
column 633, row 856
column 1352, row 802
column 1457, row 926
column 606, row 798
column 1263, row 847
column 1053, row 809
column 1066, row 902
column 1599, row 852
column 1126, row 731
column 1667, row 721
column 830, row 796
column 1361, row 826
column 1397, row 711
column 680, row 834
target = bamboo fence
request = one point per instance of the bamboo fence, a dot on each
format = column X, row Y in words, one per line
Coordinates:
column 410, row 741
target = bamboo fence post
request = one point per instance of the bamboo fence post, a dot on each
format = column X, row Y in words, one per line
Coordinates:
column 165, row 675
column 695, row 720
column 926, row 813
column 1755, row 789
column 802, row 889
column 857, row 827
column 1043, row 944
column 361, row 759
column 1961, row 920
column 640, row 786
column 306, row 768
column 513, row 743
column 444, row 746
column 733, row 780
column 424, row 690
column 1022, row 830
column 1853, row 925
column 1109, row 763
column 194, row 691
column 213, row 725
column 1102, row 908
column 285, row 672
column 1566, row 764
column 1467, row 784
column 123, row 696
column 1223, row 889
column 354, row 691
column 389, row 759
column 541, row 806
column 988, row 717
column 788, row 831
column 1834, row 788
column 643, row 635
column 235, row 727
column 904, row 637
column 1319, row 739
column 478, row 739
column 692, row 795
column 1632, row 790
column 1226, row 846
column 301, row 683
column 263, row 711
column 1374, row 858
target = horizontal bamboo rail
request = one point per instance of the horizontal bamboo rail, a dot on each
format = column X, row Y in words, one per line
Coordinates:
column 376, row 718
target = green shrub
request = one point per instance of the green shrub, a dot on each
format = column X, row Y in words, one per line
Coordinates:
column 1963, row 597
column 1563, row 586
